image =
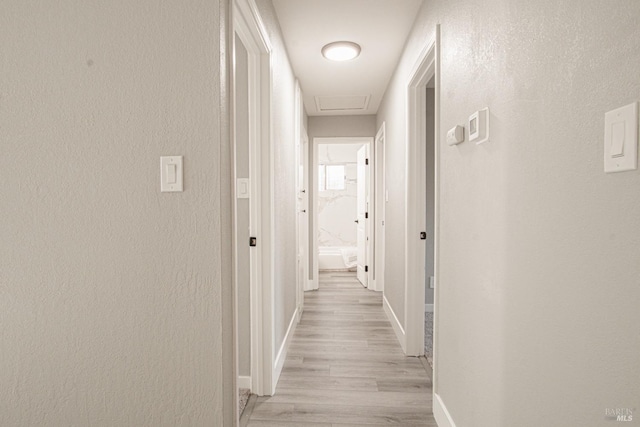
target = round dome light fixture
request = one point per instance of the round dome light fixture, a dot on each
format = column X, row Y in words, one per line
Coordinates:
column 341, row 51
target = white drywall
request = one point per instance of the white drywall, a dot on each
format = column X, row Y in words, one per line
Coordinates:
column 110, row 291
column 538, row 292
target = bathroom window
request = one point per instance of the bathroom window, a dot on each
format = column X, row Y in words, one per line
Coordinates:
column 331, row 177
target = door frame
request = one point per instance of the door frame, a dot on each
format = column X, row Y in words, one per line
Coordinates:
column 426, row 67
column 380, row 201
column 367, row 267
column 247, row 24
column 302, row 204
column 314, row 207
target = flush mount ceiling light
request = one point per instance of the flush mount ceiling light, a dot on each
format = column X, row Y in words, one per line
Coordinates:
column 341, row 51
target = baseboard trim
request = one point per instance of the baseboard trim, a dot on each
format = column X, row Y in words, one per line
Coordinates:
column 244, row 382
column 282, row 352
column 310, row 285
column 395, row 323
column 440, row 413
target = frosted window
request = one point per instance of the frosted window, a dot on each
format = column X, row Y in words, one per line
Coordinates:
column 331, row 177
column 335, row 177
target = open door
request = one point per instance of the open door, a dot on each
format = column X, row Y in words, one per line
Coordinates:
column 363, row 215
column 302, row 220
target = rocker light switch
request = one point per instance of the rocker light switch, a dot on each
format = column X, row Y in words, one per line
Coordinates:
column 242, row 188
column 171, row 174
column 621, row 139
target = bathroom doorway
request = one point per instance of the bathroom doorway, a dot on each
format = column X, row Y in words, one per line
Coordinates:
column 343, row 206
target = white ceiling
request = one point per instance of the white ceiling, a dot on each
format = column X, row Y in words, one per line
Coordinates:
column 380, row 27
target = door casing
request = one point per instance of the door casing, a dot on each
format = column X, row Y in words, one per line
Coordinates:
column 425, row 68
column 380, row 200
column 247, row 24
column 363, row 225
column 302, row 203
column 313, row 284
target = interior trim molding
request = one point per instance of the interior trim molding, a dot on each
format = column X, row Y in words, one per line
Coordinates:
column 425, row 68
column 440, row 412
column 315, row 142
column 395, row 323
column 284, row 348
column 379, row 202
column 244, row 381
column 249, row 27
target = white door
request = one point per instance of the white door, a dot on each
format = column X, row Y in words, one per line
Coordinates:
column 303, row 220
column 362, row 226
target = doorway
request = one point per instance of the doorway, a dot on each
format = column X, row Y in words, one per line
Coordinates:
column 380, row 201
column 302, row 202
column 421, row 246
column 253, row 201
column 429, row 220
column 342, row 211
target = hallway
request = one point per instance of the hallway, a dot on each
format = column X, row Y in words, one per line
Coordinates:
column 345, row 366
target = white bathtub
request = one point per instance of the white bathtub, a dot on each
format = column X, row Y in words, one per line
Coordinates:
column 333, row 258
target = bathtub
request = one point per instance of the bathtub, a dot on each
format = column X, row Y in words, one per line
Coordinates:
column 337, row 258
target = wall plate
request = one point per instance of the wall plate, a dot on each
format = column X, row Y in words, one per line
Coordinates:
column 242, row 188
column 171, row 174
column 621, row 139
column 479, row 126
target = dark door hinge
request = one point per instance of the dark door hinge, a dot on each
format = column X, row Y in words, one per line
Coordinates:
column 366, row 268
column 423, row 235
column 366, row 215
column 253, row 241
column 366, row 161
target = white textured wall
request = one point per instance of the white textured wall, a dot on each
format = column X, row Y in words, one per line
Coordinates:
column 338, row 209
column 283, row 131
column 539, row 249
column 110, row 292
column 341, row 126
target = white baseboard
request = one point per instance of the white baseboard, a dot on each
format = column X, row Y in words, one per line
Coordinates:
column 440, row 413
column 311, row 285
column 244, row 382
column 282, row 352
column 428, row 308
column 395, row 323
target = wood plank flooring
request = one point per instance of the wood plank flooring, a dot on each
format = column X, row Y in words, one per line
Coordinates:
column 345, row 366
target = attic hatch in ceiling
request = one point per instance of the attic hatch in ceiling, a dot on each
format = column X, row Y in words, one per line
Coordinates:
column 342, row 103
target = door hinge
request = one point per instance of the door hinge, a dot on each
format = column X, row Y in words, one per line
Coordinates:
column 253, row 241
column 366, row 268
column 366, row 161
column 366, row 215
column 423, row 235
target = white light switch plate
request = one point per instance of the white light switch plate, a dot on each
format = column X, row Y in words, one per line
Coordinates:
column 621, row 139
column 479, row 126
column 171, row 174
column 242, row 188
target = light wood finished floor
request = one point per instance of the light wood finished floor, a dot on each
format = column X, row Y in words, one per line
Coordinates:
column 345, row 366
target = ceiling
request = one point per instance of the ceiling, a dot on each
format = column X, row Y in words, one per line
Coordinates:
column 380, row 27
